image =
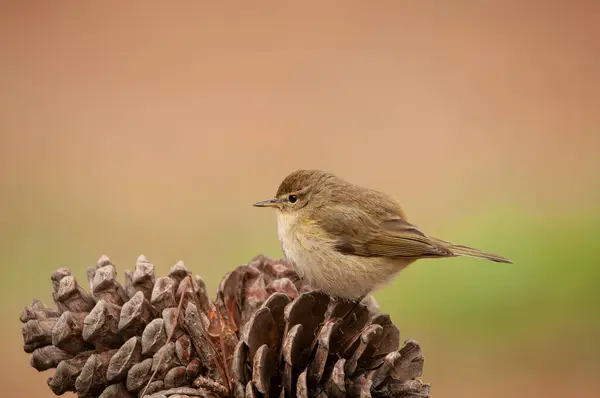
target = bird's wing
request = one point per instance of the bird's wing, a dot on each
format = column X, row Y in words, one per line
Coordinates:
column 356, row 234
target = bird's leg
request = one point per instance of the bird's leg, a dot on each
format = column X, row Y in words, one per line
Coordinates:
column 361, row 298
column 295, row 278
column 350, row 312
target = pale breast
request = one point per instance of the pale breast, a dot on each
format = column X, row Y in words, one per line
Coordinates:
column 287, row 238
column 326, row 269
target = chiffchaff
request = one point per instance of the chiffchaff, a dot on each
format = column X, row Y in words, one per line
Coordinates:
column 347, row 240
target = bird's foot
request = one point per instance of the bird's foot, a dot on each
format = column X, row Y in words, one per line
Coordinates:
column 354, row 305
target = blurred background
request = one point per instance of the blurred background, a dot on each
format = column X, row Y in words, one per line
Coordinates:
column 138, row 127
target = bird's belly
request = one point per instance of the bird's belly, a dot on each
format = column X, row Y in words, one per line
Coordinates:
column 340, row 275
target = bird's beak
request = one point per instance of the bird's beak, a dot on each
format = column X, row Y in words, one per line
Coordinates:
column 268, row 203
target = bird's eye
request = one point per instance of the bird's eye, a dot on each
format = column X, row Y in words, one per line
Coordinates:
column 292, row 198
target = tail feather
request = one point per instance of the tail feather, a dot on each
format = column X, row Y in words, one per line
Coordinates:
column 460, row 250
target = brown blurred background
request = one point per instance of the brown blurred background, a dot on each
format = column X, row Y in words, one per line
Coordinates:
column 136, row 127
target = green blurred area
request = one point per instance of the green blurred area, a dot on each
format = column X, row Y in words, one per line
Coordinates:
column 551, row 286
column 490, row 316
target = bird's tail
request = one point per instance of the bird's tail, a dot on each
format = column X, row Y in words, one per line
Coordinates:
column 460, row 250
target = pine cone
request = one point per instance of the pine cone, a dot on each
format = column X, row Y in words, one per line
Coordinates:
column 266, row 334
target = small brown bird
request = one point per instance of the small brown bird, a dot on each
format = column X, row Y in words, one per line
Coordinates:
column 347, row 240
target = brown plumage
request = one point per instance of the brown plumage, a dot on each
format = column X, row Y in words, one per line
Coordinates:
column 347, row 239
